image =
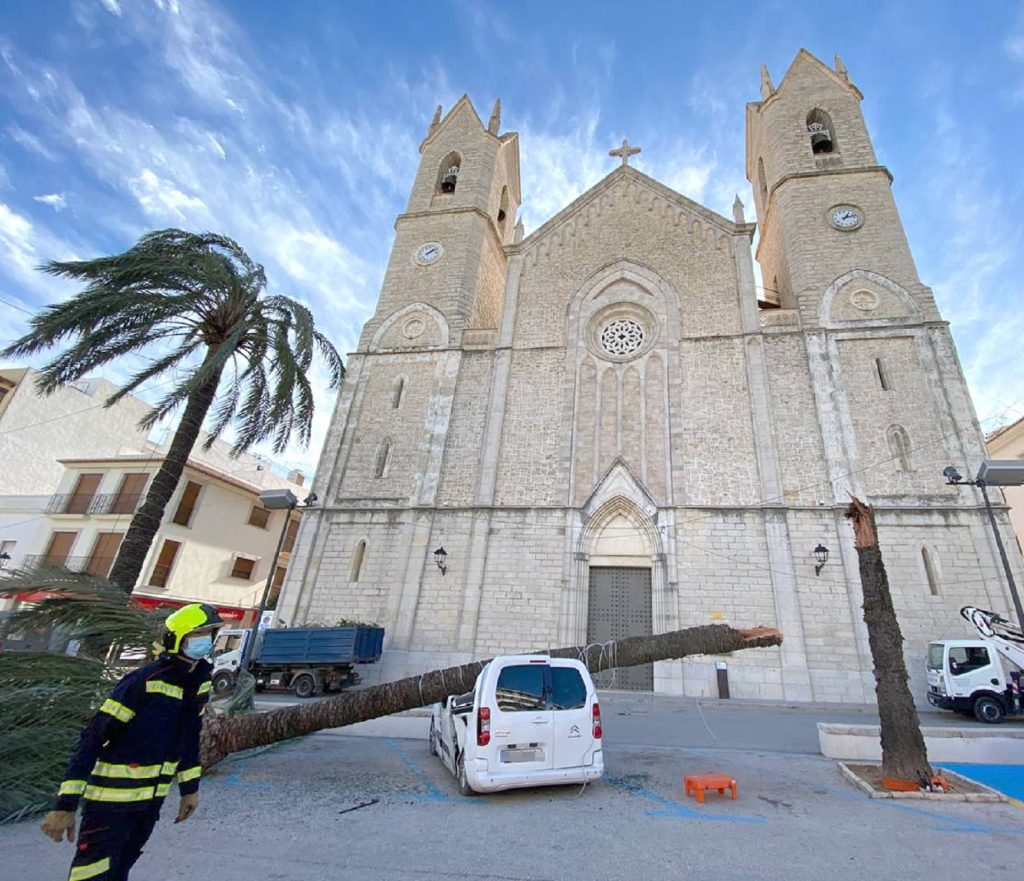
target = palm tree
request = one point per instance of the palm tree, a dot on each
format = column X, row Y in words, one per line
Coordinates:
column 904, row 755
column 198, row 302
column 224, row 735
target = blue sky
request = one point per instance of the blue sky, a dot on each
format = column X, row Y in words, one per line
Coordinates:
column 294, row 128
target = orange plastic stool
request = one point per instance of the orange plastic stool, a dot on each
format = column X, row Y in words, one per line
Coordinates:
column 697, row 783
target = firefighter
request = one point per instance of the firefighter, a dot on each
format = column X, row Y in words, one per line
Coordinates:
column 144, row 737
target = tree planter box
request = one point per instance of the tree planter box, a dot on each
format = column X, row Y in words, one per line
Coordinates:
column 1000, row 745
column 968, row 790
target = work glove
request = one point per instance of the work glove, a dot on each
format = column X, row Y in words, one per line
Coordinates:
column 56, row 823
column 187, row 806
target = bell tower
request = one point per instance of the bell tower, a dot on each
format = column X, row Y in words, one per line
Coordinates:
column 824, row 204
column 449, row 243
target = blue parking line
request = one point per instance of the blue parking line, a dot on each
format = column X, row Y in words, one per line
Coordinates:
column 945, row 823
column 432, row 792
column 235, row 777
column 670, row 808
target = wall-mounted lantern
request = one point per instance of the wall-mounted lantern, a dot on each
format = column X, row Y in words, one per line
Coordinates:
column 821, row 555
column 440, row 555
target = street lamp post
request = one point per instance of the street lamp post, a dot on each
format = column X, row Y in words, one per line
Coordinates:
column 995, row 473
column 272, row 500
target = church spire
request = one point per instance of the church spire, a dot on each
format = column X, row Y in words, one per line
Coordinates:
column 737, row 210
column 495, row 121
column 841, row 68
column 436, row 120
column 767, row 89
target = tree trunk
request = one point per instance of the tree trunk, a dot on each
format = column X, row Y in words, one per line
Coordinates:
column 131, row 556
column 224, row 735
column 904, row 756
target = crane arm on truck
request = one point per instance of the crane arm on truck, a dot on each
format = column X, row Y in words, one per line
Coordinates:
column 1004, row 637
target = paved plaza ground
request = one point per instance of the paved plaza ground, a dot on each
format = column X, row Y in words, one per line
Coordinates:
column 340, row 806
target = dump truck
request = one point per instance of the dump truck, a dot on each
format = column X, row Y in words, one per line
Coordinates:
column 306, row 660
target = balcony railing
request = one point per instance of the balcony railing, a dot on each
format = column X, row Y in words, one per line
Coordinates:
column 102, row 503
column 92, row 565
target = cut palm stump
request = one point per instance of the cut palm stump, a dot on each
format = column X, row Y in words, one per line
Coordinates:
column 696, row 784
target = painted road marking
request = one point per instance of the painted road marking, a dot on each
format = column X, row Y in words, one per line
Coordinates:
column 1007, row 779
column 670, row 808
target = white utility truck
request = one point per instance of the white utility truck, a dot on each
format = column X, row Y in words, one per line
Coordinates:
column 530, row 720
column 979, row 677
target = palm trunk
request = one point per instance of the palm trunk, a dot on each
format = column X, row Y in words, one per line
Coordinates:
column 224, row 735
column 904, row 756
column 131, row 556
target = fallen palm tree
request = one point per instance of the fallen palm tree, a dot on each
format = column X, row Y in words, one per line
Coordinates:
column 224, row 735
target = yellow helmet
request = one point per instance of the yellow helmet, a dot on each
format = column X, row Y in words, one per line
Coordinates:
column 188, row 619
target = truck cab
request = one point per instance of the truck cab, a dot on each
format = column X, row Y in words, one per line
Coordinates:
column 530, row 720
column 967, row 676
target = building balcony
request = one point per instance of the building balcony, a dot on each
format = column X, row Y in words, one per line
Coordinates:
column 102, row 503
column 90, row 565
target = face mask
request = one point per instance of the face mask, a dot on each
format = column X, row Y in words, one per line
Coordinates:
column 198, row 647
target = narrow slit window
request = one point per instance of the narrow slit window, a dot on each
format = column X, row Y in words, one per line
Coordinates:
column 383, row 459
column 396, row 400
column 762, row 182
column 930, row 571
column 357, row 560
column 883, row 374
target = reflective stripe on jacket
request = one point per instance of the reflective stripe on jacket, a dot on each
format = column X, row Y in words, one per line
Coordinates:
column 143, row 738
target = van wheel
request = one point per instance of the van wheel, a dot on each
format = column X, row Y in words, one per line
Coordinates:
column 464, row 787
column 432, row 739
column 304, row 685
column 988, row 709
column 223, row 682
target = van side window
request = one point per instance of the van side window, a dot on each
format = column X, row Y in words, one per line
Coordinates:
column 521, row 688
column 568, row 691
column 964, row 660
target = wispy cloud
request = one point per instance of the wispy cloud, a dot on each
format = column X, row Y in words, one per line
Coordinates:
column 56, row 201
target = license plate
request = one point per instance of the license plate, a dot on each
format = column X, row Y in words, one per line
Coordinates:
column 511, row 756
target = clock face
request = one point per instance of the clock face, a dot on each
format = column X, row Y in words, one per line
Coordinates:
column 845, row 217
column 428, row 253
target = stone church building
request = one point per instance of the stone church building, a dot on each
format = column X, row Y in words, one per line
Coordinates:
column 611, row 429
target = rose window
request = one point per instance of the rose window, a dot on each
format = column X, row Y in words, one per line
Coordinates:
column 623, row 336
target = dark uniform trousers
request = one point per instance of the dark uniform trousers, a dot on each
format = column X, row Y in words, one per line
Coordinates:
column 109, row 843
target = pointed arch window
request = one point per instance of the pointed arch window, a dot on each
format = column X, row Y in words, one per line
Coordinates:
column 448, row 173
column 931, row 571
column 762, row 182
column 821, row 132
column 899, row 447
column 883, row 374
column 357, row 560
column 399, row 394
column 383, row 463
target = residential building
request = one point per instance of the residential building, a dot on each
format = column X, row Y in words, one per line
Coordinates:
column 1008, row 443
column 75, row 473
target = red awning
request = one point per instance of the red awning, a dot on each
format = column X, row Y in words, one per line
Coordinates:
column 230, row 614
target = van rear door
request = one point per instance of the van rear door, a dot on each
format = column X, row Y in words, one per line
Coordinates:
column 521, row 729
column 572, row 716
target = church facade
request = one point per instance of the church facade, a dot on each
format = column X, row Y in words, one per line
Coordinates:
column 611, row 429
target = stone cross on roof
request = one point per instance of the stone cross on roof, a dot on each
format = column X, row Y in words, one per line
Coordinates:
column 625, row 151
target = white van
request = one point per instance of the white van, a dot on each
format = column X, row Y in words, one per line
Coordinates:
column 530, row 720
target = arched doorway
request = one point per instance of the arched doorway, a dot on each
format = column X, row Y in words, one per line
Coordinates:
column 620, row 561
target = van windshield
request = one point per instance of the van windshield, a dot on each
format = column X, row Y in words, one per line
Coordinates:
column 935, row 656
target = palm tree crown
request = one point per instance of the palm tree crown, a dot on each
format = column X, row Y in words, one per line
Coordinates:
column 198, row 294
column 200, row 301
